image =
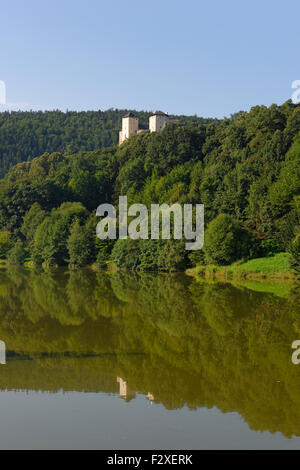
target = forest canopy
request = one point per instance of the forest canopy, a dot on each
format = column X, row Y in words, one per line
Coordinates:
column 25, row 135
column 244, row 169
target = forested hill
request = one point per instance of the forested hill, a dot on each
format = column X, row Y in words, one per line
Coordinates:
column 245, row 170
column 25, row 135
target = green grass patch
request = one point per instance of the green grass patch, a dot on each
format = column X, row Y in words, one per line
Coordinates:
column 271, row 275
column 276, row 267
column 271, row 265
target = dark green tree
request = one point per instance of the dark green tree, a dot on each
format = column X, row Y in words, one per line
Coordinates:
column 225, row 241
column 78, row 245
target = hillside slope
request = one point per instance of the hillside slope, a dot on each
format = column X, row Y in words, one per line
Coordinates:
column 245, row 170
column 25, row 135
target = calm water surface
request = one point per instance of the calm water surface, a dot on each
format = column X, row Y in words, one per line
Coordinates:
column 124, row 361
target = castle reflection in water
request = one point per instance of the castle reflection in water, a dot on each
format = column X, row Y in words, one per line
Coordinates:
column 177, row 341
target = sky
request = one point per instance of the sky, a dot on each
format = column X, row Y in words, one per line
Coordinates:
column 211, row 58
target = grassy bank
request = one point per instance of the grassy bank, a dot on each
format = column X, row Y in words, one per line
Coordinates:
column 274, row 267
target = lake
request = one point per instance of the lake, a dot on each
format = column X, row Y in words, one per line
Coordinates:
column 96, row 360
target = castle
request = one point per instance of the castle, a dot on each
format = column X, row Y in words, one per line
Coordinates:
column 130, row 124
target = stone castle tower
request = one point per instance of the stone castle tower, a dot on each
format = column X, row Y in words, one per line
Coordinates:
column 158, row 121
column 130, row 124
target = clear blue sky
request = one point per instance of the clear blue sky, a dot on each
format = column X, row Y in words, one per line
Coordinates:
column 210, row 57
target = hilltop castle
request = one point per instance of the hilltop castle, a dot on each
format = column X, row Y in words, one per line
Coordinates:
column 130, row 124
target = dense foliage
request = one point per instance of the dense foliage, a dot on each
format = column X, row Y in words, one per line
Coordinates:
column 225, row 241
column 244, row 169
column 25, row 135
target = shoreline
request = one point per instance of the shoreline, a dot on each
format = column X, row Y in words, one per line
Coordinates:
column 220, row 273
column 275, row 268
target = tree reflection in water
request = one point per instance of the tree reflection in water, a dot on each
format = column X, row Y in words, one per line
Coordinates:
column 178, row 341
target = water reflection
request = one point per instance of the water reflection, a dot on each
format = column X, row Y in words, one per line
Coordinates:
column 2, row 353
column 177, row 341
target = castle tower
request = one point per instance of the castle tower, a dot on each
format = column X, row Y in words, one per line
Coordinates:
column 125, row 392
column 130, row 125
column 158, row 121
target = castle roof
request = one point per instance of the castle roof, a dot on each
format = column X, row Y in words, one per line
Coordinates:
column 130, row 115
column 159, row 113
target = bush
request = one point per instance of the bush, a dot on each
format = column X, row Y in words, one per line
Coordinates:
column 173, row 256
column 125, row 254
column 103, row 248
column 148, row 254
column 225, row 241
column 268, row 248
column 196, row 257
